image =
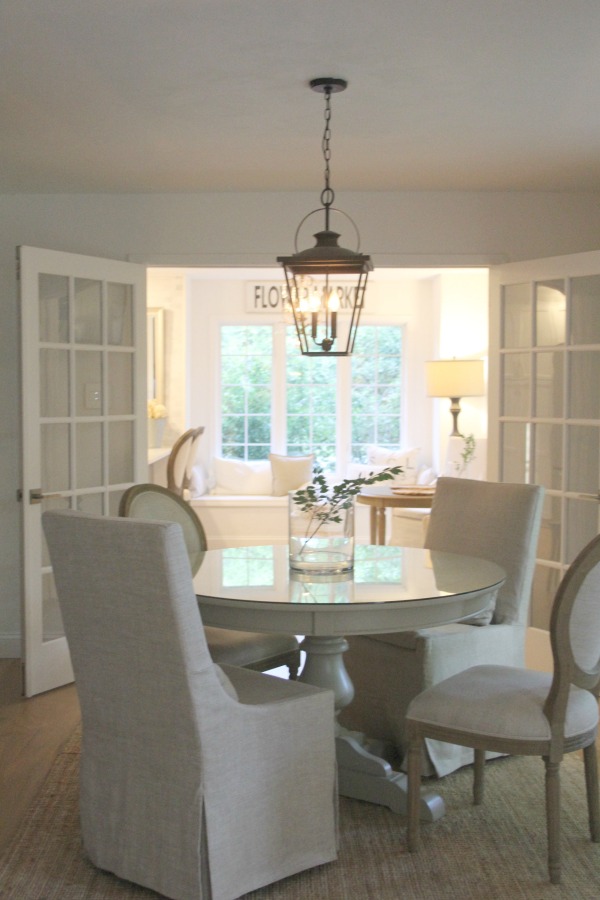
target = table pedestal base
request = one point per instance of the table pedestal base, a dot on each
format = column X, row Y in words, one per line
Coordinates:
column 363, row 773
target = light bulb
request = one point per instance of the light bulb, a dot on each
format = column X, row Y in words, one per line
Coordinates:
column 315, row 301
column 333, row 301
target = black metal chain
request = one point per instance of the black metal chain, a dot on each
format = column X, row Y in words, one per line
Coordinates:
column 327, row 195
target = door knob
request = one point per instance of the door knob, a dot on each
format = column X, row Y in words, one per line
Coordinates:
column 36, row 495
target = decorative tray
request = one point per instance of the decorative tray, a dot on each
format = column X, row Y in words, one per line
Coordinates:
column 413, row 490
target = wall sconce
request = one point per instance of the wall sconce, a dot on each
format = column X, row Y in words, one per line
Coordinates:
column 312, row 275
column 455, row 378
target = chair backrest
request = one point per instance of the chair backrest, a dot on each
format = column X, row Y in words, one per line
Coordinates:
column 131, row 619
column 575, row 632
column 155, row 503
column 182, row 458
column 495, row 521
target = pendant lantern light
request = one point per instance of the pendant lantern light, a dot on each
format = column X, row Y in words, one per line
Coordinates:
column 326, row 283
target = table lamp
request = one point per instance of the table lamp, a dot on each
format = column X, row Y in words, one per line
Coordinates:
column 455, row 378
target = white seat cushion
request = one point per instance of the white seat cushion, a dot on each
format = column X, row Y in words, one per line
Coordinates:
column 476, row 701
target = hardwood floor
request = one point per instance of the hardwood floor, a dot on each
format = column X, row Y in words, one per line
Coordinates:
column 31, row 734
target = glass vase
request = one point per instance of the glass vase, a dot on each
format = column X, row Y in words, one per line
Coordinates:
column 321, row 541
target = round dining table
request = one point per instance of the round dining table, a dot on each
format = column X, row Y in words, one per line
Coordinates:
column 390, row 589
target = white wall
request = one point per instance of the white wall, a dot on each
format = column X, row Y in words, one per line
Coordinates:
column 462, row 332
column 398, row 229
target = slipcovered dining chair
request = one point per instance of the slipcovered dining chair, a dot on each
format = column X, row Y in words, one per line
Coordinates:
column 196, row 781
column 524, row 712
column 499, row 522
column 181, row 461
column 250, row 649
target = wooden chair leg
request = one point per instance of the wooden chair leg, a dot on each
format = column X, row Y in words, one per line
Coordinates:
column 478, row 775
column 591, row 785
column 413, row 771
column 553, row 818
column 293, row 668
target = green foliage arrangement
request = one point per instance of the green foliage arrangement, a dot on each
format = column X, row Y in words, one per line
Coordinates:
column 324, row 504
column 467, row 453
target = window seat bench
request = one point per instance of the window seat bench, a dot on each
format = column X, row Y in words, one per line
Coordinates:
column 241, row 520
column 238, row 520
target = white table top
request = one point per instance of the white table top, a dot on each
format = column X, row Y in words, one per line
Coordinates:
column 391, row 589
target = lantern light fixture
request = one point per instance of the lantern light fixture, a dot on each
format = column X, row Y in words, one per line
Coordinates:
column 317, row 278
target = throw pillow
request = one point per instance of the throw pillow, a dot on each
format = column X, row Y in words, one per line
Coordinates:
column 290, row 472
column 236, row 476
column 198, row 481
column 385, row 457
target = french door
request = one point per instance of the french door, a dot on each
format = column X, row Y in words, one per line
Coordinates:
column 544, row 397
column 83, row 327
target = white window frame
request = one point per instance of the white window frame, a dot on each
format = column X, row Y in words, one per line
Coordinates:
column 278, row 386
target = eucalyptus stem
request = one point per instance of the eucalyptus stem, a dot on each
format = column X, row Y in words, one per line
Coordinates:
column 325, row 505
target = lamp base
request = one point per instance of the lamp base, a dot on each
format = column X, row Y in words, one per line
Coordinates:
column 455, row 409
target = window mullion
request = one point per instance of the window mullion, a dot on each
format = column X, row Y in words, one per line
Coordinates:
column 278, row 391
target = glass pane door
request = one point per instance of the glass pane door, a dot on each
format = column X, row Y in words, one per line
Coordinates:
column 545, row 409
column 84, row 416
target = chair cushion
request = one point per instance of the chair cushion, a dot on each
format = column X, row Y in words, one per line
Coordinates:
column 501, row 701
column 290, row 472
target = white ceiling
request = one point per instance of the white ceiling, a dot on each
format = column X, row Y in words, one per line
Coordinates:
column 203, row 95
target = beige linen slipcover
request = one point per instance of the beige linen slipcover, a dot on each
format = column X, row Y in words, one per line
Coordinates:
column 195, row 783
column 495, row 521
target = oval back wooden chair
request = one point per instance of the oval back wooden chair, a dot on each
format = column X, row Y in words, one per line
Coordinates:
column 252, row 650
column 524, row 712
column 181, row 461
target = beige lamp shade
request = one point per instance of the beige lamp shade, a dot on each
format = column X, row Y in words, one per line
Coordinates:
column 455, row 378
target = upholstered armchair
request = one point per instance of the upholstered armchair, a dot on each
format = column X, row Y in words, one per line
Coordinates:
column 499, row 522
column 196, row 781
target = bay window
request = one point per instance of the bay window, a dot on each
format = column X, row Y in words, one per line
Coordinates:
column 274, row 399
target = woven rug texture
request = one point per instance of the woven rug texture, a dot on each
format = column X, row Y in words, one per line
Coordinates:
column 493, row 852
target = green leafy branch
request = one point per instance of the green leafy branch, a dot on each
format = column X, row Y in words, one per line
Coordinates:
column 467, row 453
column 324, row 505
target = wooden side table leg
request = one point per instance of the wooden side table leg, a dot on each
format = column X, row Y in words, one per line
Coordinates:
column 380, row 525
column 373, row 524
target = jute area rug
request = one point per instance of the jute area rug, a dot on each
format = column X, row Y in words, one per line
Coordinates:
column 493, row 852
